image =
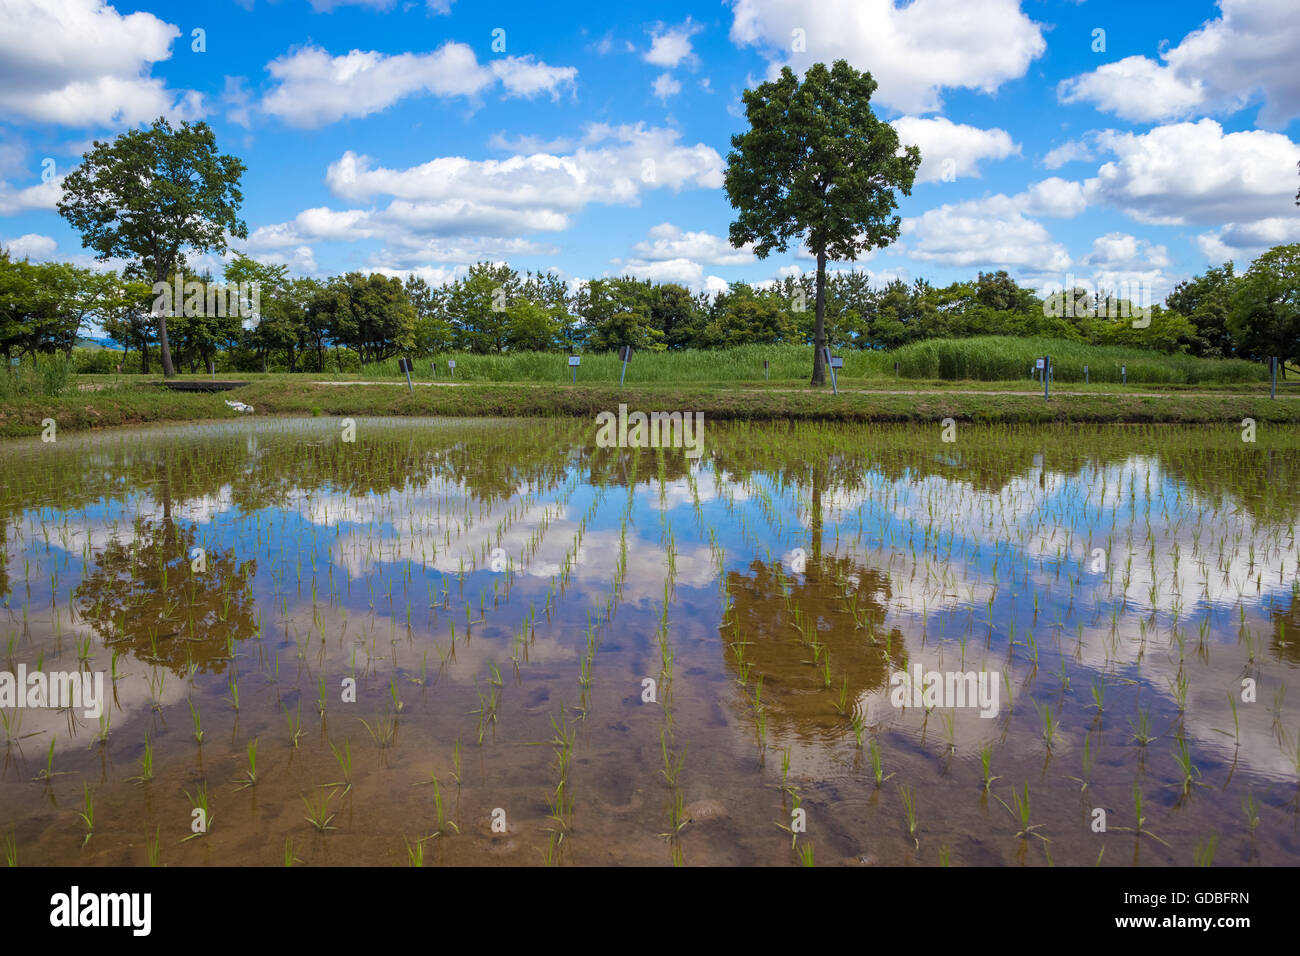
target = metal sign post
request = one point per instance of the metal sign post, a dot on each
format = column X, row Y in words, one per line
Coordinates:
column 834, row 362
column 1047, row 377
column 574, row 362
column 1085, row 375
column 895, row 371
column 625, row 353
column 405, row 365
column 1272, row 389
column 1123, row 372
column 451, row 364
column 765, row 370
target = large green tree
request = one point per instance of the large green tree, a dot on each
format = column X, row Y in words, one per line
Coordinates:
column 817, row 164
column 1206, row 301
column 372, row 314
column 1265, row 316
column 150, row 195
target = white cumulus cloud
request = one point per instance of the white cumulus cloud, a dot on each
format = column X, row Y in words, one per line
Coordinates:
column 914, row 51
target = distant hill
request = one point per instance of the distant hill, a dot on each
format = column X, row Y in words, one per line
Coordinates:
column 90, row 342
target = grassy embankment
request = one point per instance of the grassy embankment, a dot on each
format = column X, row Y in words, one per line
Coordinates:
column 962, row 379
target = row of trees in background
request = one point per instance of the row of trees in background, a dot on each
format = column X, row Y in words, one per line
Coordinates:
column 816, row 165
column 302, row 323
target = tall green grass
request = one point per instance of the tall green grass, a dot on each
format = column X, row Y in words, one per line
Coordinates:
column 985, row 359
column 743, row 363
column 997, row 358
column 38, row 376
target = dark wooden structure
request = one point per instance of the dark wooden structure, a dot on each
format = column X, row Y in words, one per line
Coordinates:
column 199, row 385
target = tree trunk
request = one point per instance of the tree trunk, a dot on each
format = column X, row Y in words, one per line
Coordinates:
column 164, row 347
column 169, row 371
column 144, row 355
column 819, row 329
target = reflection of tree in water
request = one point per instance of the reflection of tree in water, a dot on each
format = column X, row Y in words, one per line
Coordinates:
column 1284, row 641
column 143, row 598
column 4, row 563
column 840, row 604
column 1264, row 481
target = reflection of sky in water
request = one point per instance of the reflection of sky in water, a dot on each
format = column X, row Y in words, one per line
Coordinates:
column 949, row 548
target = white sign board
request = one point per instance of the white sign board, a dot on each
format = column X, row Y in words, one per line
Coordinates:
column 451, row 363
column 574, row 360
column 1039, row 364
column 837, row 362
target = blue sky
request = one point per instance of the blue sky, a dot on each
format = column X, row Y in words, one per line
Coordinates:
column 406, row 136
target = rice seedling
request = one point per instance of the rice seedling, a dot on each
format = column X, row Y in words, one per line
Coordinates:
column 1051, row 727
column 1251, row 809
column 414, row 851
column 1140, row 829
column 806, row 854
column 48, row 773
column 1184, row 758
column 295, row 725
column 1142, row 728
column 198, row 721
column 383, row 732
column 250, row 774
column 233, row 683
column 200, row 815
column 1236, row 721
column 1019, row 810
column 153, row 847
column 986, row 760
column 11, row 849
column 289, row 858
column 1178, row 686
column 486, row 710
column 146, row 763
column 672, row 761
column 87, row 813
column 877, row 769
column 908, row 796
column 343, row 757
column 318, row 812
column 1203, row 855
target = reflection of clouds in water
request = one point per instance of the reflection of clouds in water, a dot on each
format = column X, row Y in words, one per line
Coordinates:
column 128, row 697
column 95, row 528
column 1067, row 516
column 407, row 525
column 457, row 531
column 709, row 486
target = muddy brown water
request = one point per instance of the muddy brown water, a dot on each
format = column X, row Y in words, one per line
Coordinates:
column 506, row 598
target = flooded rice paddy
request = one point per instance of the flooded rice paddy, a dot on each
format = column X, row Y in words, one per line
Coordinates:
column 494, row 642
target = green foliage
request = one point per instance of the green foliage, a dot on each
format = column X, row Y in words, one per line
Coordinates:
column 1265, row 310
column 150, row 195
column 817, row 164
column 1002, row 359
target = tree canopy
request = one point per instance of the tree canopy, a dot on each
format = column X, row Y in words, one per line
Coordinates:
column 150, row 195
column 817, row 164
